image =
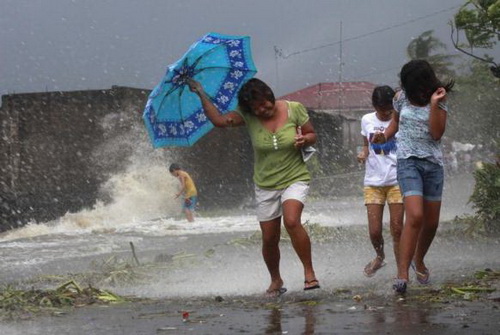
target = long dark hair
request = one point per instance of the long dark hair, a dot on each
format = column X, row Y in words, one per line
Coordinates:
column 254, row 90
column 419, row 82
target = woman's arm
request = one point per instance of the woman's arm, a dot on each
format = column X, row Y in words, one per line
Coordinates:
column 231, row 119
column 306, row 136
column 437, row 117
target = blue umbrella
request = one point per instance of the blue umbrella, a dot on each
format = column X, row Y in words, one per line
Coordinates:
column 222, row 64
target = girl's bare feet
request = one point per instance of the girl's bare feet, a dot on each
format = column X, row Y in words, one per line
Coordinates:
column 372, row 267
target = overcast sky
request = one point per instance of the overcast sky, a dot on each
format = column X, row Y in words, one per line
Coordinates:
column 94, row 44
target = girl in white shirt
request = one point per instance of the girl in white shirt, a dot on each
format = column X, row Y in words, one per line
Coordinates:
column 380, row 183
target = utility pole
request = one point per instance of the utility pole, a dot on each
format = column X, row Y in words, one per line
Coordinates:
column 340, row 93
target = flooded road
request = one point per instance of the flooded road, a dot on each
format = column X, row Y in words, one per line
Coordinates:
column 72, row 242
column 213, row 267
column 220, row 278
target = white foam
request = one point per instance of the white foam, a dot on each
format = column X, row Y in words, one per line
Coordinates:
column 139, row 194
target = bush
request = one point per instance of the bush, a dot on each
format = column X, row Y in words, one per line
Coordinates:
column 486, row 195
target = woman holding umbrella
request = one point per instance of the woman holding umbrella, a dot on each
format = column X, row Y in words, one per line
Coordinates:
column 278, row 130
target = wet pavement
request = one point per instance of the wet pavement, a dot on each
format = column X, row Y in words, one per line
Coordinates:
column 222, row 290
column 297, row 313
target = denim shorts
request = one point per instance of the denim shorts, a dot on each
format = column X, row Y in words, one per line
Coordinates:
column 418, row 176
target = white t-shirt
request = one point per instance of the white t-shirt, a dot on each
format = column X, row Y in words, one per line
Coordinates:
column 380, row 167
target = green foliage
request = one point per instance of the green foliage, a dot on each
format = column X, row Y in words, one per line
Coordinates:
column 474, row 107
column 422, row 46
column 425, row 47
column 15, row 303
column 486, row 195
column 487, row 274
column 480, row 20
column 470, row 225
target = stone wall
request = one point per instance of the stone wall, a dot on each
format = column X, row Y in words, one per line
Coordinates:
column 47, row 141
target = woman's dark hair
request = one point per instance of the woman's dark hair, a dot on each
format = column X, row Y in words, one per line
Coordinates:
column 382, row 96
column 419, row 81
column 174, row 167
column 254, row 90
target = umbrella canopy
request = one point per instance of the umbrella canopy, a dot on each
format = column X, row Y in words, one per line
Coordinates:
column 222, row 64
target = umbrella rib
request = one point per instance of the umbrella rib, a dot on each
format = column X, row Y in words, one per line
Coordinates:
column 181, row 90
column 180, row 112
column 200, row 57
column 166, row 95
column 212, row 67
column 170, row 91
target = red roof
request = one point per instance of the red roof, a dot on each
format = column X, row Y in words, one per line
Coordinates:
column 348, row 95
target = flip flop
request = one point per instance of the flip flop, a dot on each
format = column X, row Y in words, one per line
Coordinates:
column 423, row 278
column 310, row 282
column 370, row 268
column 400, row 285
column 276, row 293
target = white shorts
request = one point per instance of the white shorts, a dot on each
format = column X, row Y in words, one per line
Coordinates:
column 269, row 202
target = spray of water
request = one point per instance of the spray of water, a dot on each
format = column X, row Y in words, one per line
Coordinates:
column 140, row 189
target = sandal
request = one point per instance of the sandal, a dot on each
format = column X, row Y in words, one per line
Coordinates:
column 276, row 293
column 372, row 267
column 423, row 278
column 311, row 284
column 400, row 285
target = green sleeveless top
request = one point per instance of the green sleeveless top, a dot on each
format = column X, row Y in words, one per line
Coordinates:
column 278, row 164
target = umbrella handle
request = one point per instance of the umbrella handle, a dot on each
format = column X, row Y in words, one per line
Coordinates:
column 194, row 86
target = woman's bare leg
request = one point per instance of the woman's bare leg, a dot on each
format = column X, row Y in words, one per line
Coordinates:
column 396, row 212
column 413, row 206
column 292, row 213
column 375, row 213
column 271, row 233
column 432, row 210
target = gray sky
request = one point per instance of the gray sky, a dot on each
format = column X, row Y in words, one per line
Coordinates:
column 93, row 44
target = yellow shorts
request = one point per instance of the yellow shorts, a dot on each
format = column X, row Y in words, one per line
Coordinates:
column 378, row 195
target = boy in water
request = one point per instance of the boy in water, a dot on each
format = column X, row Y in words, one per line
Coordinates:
column 188, row 189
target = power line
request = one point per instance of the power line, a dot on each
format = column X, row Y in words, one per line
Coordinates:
column 285, row 56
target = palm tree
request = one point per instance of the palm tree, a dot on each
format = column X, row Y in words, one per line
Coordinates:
column 425, row 47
